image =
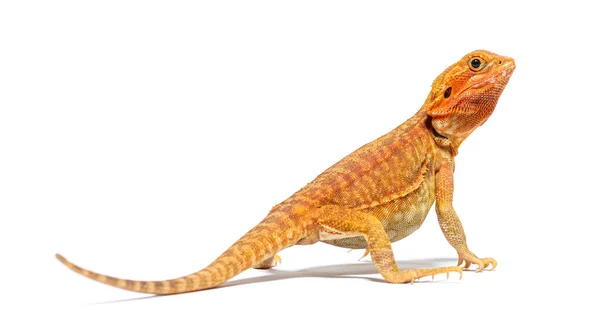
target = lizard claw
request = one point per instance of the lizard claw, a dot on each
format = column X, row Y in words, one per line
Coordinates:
column 492, row 263
column 464, row 263
column 482, row 264
column 365, row 254
column 277, row 260
column 488, row 261
column 416, row 274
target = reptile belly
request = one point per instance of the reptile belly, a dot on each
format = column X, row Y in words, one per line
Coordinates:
column 399, row 217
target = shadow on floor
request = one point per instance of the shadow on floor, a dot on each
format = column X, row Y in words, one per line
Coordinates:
column 351, row 270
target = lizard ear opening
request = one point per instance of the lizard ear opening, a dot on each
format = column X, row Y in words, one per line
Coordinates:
column 448, row 92
column 443, row 106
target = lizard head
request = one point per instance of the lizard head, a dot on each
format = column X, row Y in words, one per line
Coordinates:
column 464, row 96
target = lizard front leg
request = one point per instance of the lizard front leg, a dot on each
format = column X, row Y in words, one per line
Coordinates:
column 340, row 221
column 450, row 223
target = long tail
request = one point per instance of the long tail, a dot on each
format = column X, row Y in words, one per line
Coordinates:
column 273, row 234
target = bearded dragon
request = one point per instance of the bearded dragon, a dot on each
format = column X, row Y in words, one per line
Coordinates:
column 378, row 194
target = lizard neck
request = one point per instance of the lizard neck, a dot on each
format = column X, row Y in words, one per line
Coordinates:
column 422, row 121
column 415, row 121
column 441, row 140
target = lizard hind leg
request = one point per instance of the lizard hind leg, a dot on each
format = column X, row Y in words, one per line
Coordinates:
column 268, row 263
column 338, row 220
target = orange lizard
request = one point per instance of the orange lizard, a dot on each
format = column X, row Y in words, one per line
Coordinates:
column 378, row 194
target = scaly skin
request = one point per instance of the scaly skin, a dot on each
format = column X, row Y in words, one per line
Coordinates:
column 378, row 194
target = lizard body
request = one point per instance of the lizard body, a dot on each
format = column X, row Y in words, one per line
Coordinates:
column 378, row 194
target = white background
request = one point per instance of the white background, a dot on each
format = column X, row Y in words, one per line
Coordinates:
column 142, row 138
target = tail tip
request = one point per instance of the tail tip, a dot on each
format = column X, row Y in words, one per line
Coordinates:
column 61, row 258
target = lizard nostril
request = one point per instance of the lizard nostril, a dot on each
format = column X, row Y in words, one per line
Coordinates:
column 499, row 61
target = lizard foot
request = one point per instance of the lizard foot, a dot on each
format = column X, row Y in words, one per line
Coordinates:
column 482, row 264
column 409, row 276
column 268, row 263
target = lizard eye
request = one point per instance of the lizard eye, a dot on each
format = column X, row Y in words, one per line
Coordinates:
column 476, row 63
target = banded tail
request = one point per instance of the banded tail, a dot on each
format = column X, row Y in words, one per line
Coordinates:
column 262, row 242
